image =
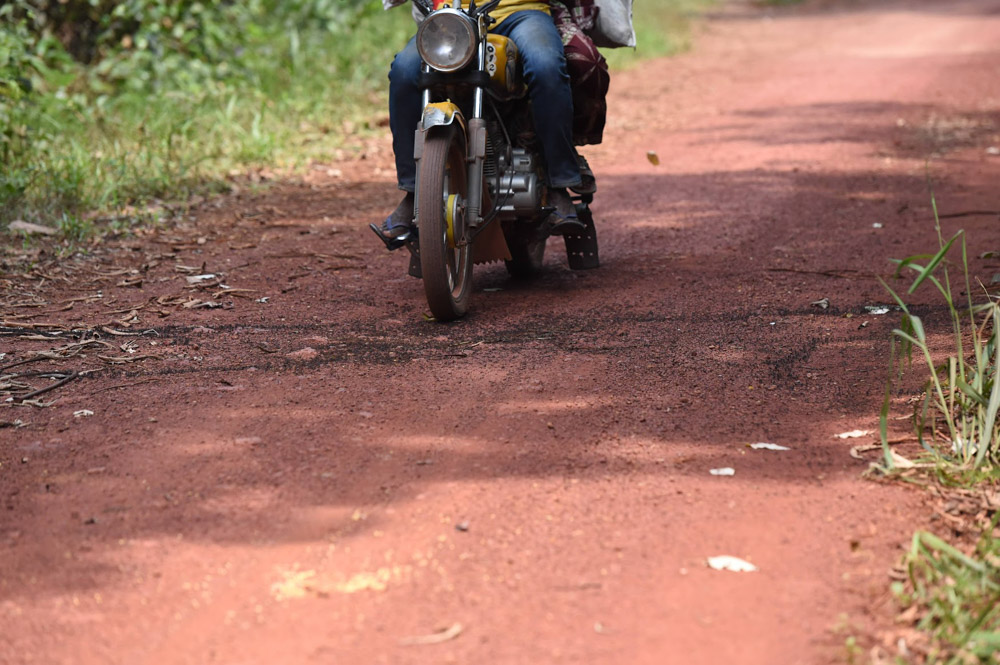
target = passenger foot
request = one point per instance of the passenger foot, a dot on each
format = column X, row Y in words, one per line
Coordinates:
column 398, row 228
column 563, row 220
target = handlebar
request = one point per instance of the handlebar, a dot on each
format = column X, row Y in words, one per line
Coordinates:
column 425, row 7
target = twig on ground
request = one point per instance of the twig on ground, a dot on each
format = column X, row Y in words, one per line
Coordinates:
column 66, row 379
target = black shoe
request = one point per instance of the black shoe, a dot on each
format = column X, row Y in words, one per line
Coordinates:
column 563, row 221
column 394, row 237
column 398, row 228
column 588, row 184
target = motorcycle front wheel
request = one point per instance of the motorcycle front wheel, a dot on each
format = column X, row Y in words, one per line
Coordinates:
column 441, row 195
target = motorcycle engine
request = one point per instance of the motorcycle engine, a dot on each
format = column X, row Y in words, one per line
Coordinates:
column 518, row 194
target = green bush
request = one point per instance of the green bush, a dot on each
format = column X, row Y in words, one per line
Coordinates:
column 109, row 103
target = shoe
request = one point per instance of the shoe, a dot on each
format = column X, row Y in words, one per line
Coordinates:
column 563, row 220
column 398, row 227
column 588, row 184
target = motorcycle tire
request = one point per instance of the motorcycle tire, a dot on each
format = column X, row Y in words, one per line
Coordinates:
column 527, row 253
column 446, row 268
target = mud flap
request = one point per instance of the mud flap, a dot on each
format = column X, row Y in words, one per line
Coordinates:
column 414, row 269
column 581, row 249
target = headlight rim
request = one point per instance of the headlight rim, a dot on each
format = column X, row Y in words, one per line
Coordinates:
column 465, row 21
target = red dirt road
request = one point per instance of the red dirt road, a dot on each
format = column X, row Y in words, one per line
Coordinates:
column 320, row 477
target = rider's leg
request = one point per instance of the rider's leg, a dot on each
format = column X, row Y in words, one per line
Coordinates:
column 404, row 114
column 545, row 72
column 541, row 49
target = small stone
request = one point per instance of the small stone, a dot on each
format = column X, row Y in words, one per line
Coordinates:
column 308, row 353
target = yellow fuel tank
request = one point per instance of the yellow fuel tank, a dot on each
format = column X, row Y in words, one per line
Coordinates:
column 503, row 63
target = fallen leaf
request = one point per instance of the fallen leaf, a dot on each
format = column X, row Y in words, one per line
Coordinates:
column 900, row 462
column 29, row 228
column 653, row 158
column 296, row 584
column 83, row 413
column 448, row 633
column 374, row 581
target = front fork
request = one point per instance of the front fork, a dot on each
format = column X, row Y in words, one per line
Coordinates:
column 477, row 152
column 477, row 194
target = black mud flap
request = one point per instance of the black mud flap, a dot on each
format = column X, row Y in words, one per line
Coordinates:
column 414, row 269
column 581, row 249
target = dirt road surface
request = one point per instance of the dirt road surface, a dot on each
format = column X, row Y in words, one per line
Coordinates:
column 312, row 472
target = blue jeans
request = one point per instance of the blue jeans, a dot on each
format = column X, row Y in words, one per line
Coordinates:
column 544, row 62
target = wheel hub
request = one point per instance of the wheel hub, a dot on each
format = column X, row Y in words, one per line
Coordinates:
column 454, row 216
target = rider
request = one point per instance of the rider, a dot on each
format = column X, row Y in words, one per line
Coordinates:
column 529, row 24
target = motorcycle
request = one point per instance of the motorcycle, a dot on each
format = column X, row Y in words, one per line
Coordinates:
column 480, row 193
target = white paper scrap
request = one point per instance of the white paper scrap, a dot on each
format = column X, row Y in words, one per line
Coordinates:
column 767, row 446
column 732, row 563
column 853, row 434
column 725, row 471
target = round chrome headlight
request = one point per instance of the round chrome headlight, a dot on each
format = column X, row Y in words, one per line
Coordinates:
column 446, row 40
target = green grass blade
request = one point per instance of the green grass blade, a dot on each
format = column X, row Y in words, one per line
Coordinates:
column 909, row 262
column 970, row 392
column 932, row 542
column 934, row 263
column 986, row 442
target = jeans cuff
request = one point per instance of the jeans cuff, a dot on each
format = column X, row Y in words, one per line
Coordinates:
column 569, row 183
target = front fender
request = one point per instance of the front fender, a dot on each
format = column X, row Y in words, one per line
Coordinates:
column 435, row 116
column 438, row 114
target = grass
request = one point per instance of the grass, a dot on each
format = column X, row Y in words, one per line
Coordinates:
column 298, row 98
column 951, row 596
column 955, row 419
column 956, row 597
column 83, row 147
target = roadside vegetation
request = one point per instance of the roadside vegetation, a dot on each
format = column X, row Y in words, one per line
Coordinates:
column 107, row 105
column 948, row 585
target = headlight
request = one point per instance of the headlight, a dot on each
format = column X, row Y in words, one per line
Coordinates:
column 446, row 40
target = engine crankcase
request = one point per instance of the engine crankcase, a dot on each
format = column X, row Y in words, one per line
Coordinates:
column 519, row 194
